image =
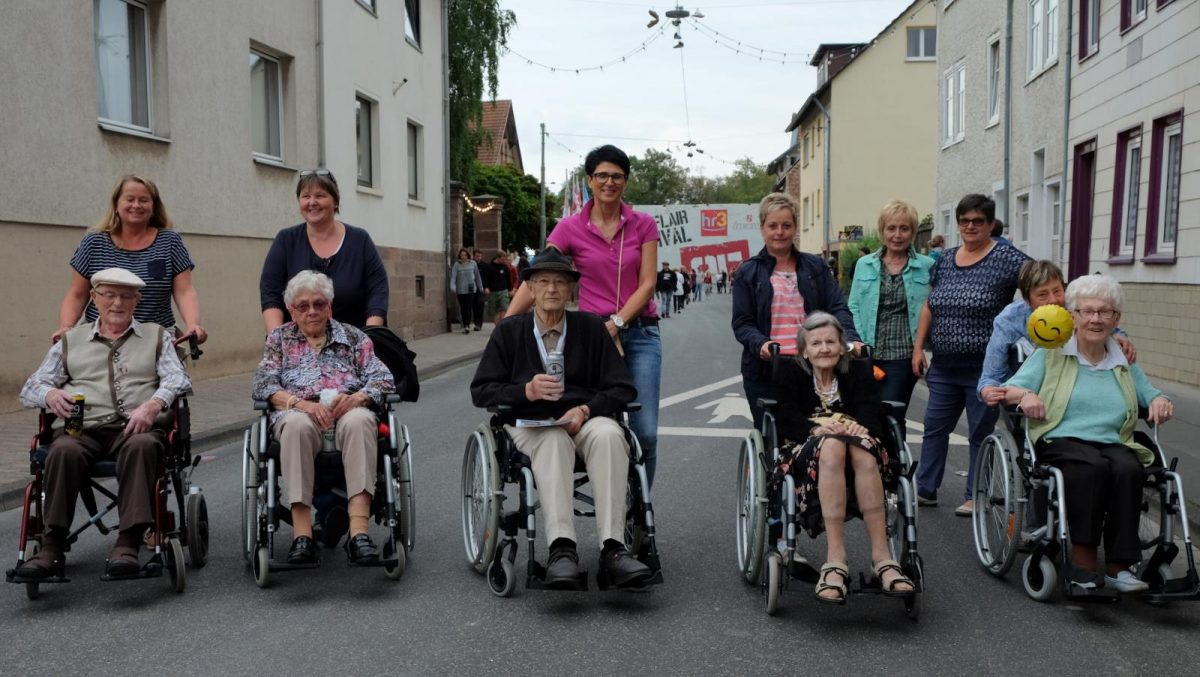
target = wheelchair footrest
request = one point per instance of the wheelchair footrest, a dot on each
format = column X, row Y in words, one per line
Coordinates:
column 377, row 562
column 13, row 577
column 151, row 569
column 536, row 580
column 1101, row 596
column 274, row 566
column 656, row 578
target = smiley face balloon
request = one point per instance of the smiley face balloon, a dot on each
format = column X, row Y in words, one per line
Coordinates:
column 1050, row 326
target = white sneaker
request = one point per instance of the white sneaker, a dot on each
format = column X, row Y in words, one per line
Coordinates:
column 1126, row 582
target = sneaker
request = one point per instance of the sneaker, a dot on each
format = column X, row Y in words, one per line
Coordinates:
column 925, row 500
column 1126, row 581
column 966, row 509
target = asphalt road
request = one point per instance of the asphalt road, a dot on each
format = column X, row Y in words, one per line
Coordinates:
column 441, row 619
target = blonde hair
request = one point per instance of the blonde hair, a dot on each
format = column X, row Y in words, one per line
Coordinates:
column 111, row 223
column 898, row 208
column 773, row 202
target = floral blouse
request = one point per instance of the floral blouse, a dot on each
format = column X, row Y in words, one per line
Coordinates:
column 347, row 363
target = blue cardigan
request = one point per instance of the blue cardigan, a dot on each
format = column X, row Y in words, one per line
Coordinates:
column 752, row 295
column 864, row 293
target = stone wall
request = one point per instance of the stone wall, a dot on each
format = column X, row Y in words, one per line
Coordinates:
column 418, row 294
column 1163, row 323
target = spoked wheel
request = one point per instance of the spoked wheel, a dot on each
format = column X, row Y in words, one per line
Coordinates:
column 390, row 547
column 500, row 577
column 197, row 530
column 774, row 582
column 32, row 590
column 997, row 519
column 262, row 566
column 480, row 504
column 1152, row 522
column 751, row 507
column 1039, row 580
column 408, row 501
column 250, row 494
column 914, row 568
column 176, row 571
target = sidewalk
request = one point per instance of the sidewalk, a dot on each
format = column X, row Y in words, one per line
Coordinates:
column 220, row 408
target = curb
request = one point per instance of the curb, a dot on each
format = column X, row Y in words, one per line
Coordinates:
column 13, row 495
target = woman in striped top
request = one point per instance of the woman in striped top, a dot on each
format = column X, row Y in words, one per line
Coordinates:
column 135, row 234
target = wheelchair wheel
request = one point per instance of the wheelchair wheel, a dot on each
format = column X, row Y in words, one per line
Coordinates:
column 480, row 501
column 774, row 582
column 998, row 516
column 408, row 501
column 32, row 590
column 174, row 564
column 500, row 577
column 250, row 508
column 197, row 530
column 1039, row 581
column 751, row 507
column 262, row 566
column 395, row 572
column 1152, row 522
column 914, row 568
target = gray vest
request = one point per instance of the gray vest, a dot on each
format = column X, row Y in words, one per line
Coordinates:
column 115, row 377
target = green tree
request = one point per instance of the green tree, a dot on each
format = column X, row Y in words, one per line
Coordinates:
column 748, row 183
column 478, row 31
column 519, row 223
column 655, row 179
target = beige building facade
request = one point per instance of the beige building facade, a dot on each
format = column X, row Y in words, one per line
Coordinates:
column 220, row 103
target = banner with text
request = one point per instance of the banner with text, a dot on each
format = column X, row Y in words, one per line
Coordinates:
column 706, row 237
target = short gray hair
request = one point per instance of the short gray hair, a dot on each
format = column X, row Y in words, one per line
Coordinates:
column 308, row 280
column 773, row 202
column 1096, row 286
column 820, row 320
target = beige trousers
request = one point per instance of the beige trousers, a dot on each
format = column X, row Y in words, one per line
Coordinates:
column 601, row 444
column 300, row 441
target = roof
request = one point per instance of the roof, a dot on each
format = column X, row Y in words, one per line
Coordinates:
column 500, row 123
column 827, row 47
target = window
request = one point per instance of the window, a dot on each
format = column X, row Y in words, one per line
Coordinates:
column 1166, row 164
column 1133, row 12
column 364, row 119
column 1019, row 232
column 948, row 229
column 1083, row 198
column 368, row 5
column 954, row 98
column 123, row 63
column 1042, row 42
column 805, row 153
column 265, row 98
column 419, row 287
column 1089, row 28
column 1126, row 189
column 922, row 44
column 412, row 21
column 807, row 213
column 1053, row 205
column 993, row 100
column 414, row 161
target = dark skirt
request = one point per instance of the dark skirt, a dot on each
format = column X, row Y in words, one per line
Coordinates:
column 806, row 462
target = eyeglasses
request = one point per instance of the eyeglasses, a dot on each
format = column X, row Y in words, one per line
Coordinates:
column 1103, row 314
column 320, row 306
column 304, row 174
column 972, row 222
column 112, row 295
column 605, row 177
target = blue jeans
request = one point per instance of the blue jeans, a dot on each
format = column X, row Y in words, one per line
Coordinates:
column 643, row 357
column 664, row 303
column 951, row 389
column 898, row 382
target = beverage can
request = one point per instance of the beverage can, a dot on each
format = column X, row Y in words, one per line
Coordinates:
column 329, row 441
column 555, row 366
column 74, row 423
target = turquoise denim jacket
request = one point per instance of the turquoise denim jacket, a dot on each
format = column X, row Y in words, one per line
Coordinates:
column 864, row 293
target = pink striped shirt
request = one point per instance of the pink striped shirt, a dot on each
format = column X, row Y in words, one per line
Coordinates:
column 787, row 311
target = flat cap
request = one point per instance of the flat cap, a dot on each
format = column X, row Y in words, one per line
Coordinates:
column 117, row 276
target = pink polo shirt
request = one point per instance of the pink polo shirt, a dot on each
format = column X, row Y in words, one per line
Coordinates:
column 597, row 259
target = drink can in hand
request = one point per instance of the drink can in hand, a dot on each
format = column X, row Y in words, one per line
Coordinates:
column 555, row 367
column 74, row 423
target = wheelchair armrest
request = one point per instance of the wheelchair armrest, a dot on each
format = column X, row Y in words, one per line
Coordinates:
column 892, row 408
column 631, row 407
column 767, row 403
column 392, row 398
column 262, row 405
column 500, row 409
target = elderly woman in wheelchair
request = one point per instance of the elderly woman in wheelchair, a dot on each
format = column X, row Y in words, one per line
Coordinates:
column 831, row 421
column 1082, row 403
column 302, row 358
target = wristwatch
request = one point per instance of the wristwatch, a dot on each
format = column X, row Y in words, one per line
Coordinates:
column 617, row 320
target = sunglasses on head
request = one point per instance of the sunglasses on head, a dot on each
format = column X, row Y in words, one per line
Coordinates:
column 304, row 174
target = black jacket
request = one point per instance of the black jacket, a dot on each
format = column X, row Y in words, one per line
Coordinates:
column 495, row 276
column 666, row 281
column 594, row 371
column 798, row 400
column 752, row 294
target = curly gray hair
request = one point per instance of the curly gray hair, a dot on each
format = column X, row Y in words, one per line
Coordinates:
column 820, row 320
column 308, row 280
column 1097, row 286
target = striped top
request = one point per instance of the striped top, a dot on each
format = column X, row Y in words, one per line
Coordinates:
column 787, row 311
column 157, row 265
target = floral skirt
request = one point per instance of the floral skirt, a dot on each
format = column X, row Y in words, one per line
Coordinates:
column 805, row 464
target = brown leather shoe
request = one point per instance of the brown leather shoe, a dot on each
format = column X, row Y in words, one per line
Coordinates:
column 46, row 562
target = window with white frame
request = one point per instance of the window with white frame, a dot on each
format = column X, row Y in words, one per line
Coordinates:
column 1126, row 192
column 1133, row 12
column 415, row 181
column 364, row 130
column 1166, row 165
column 412, row 20
column 1042, row 37
column 1019, row 232
column 993, row 64
column 953, row 101
column 806, row 150
column 1054, row 218
column 266, row 95
column 123, row 63
column 949, row 232
column 1089, row 28
column 922, row 43
column 807, row 207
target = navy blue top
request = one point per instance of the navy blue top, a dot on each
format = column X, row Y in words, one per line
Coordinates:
column 964, row 300
column 360, row 282
column 157, row 265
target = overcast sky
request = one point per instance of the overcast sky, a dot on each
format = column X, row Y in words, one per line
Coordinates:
column 737, row 105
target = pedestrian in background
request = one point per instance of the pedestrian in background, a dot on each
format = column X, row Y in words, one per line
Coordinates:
column 722, row 281
column 665, row 286
column 496, row 283
column 708, row 283
column 680, row 289
column 465, row 282
column 937, row 244
column 481, row 294
column 998, row 233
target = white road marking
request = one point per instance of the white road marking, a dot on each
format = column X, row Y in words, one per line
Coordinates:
column 704, row 432
column 732, row 404
column 697, row 392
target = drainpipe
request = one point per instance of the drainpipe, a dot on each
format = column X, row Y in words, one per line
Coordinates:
column 1008, row 29
column 320, row 83
column 1062, row 191
column 446, row 152
column 828, row 169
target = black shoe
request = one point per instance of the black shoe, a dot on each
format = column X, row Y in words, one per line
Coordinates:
column 337, row 523
column 478, row 328
column 361, row 550
column 42, row 565
column 925, row 500
column 562, row 569
column 304, row 551
column 622, row 569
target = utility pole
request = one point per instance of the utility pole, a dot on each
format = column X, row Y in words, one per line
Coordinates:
column 542, row 206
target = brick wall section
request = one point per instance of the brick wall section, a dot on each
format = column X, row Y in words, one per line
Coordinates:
column 1164, row 323
column 410, row 316
column 792, row 182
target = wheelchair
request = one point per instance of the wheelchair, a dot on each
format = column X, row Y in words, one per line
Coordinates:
column 491, row 461
column 392, row 505
column 766, row 514
column 1009, row 481
column 169, row 535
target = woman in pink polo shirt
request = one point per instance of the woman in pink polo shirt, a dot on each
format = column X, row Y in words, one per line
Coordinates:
column 615, row 250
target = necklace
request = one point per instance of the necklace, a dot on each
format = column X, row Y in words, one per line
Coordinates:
column 317, row 344
column 829, row 394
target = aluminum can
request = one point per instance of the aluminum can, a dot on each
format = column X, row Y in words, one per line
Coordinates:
column 555, row 366
column 74, row 423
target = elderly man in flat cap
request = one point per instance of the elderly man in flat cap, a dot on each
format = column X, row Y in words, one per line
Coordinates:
column 129, row 374
column 595, row 386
